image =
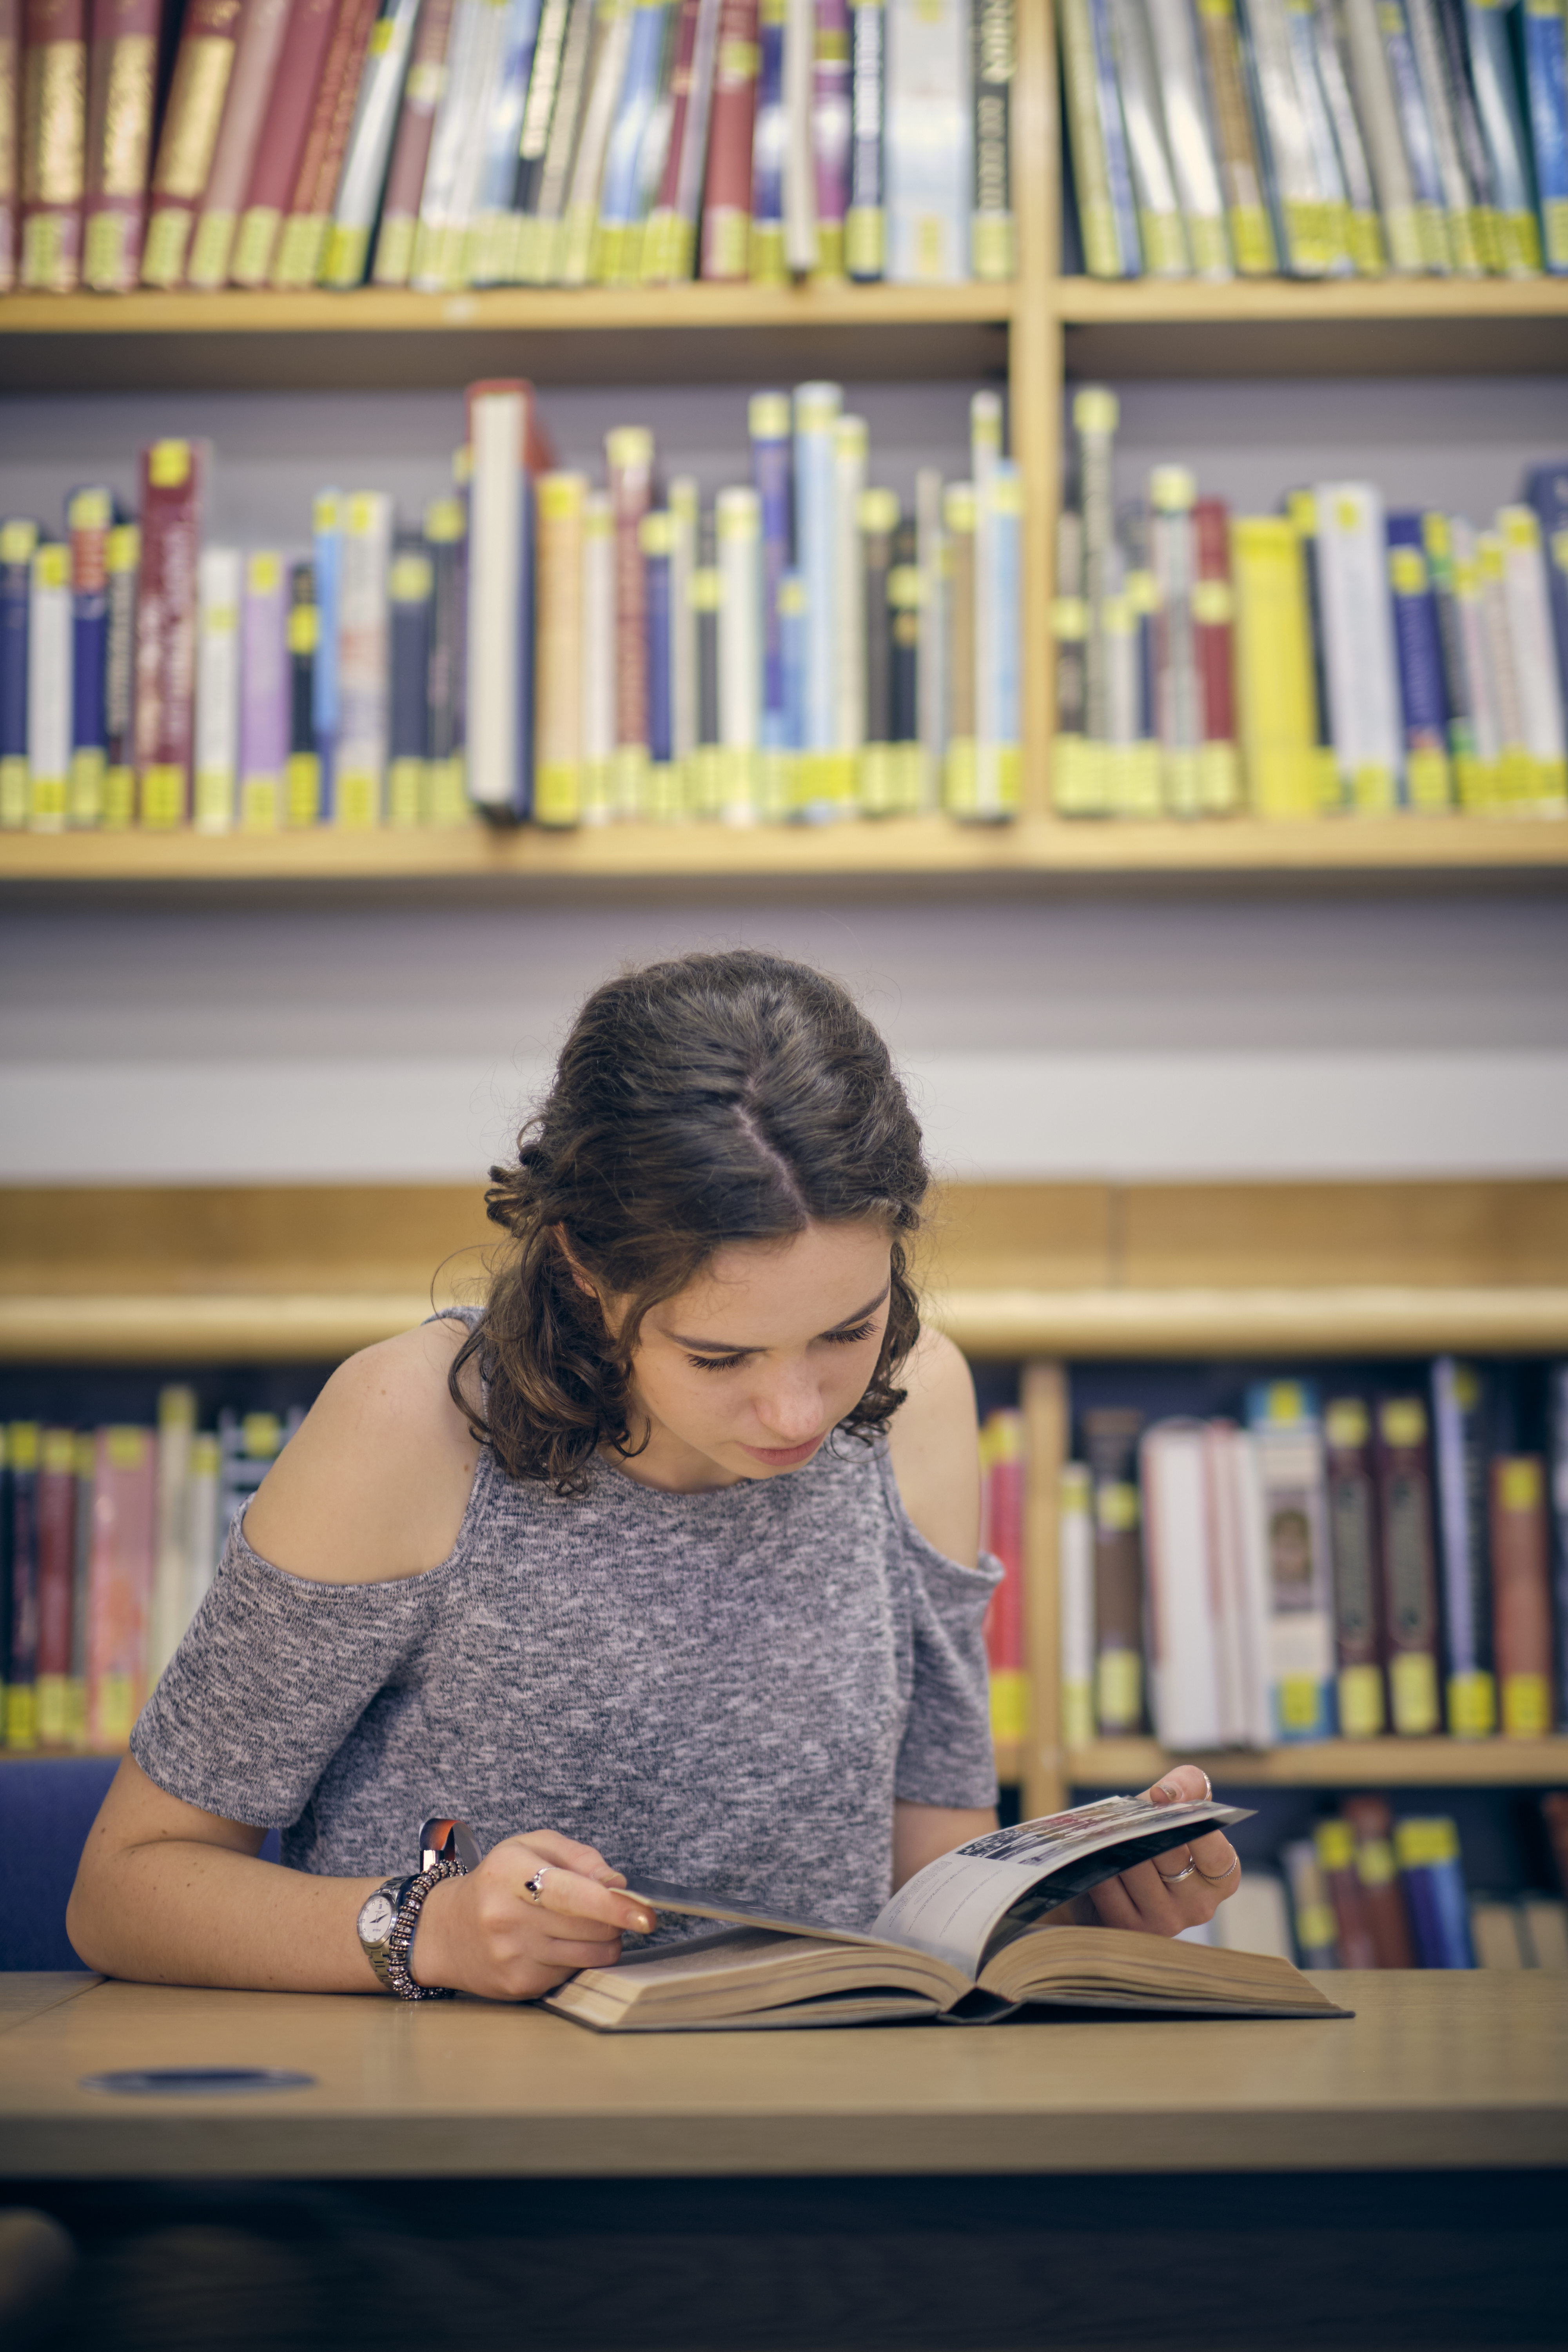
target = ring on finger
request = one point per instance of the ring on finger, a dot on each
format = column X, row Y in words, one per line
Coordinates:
column 1218, row 1877
column 535, row 1886
column 1174, row 1878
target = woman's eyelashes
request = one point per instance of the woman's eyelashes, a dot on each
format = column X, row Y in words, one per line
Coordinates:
column 834, row 1339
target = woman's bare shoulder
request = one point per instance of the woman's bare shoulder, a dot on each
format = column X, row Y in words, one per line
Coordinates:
column 934, row 1448
column 374, row 1483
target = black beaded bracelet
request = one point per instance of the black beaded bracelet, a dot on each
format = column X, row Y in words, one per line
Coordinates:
column 400, row 1942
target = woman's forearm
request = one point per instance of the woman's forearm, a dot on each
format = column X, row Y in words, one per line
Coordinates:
column 178, row 1911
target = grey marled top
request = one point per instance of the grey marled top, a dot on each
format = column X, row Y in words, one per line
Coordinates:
column 725, row 1688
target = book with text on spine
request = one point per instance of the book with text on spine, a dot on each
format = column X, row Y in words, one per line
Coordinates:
column 968, row 1939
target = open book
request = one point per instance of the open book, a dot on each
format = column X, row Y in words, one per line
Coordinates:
column 969, row 1938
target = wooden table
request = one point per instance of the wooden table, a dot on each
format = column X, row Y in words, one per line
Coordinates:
column 1396, row 2179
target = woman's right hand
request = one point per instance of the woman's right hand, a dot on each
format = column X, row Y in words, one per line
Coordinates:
column 486, row 1934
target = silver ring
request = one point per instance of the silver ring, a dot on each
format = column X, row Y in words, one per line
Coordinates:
column 535, row 1885
column 1218, row 1877
column 1208, row 1792
column 1174, row 1878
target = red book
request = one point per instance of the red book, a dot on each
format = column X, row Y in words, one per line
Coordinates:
column 411, row 149
column 54, row 143
column 120, row 1583
column 1335, row 1842
column 1214, row 632
column 257, row 59
column 172, row 474
column 628, row 455
column 304, row 237
column 10, row 135
column 1382, row 1891
column 1002, row 1453
column 121, row 82
column 19, row 1648
column 57, row 1563
column 1409, row 1565
column 1521, row 1595
column 202, row 68
column 670, row 245
column 726, row 201
column 282, row 141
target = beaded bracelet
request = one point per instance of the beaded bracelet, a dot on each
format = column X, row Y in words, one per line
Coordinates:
column 400, row 1942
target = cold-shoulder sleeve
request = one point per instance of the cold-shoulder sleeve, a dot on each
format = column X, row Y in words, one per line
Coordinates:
column 268, row 1681
column 946, row 1757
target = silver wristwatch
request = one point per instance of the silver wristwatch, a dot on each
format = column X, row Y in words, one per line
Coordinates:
column 388, row 1918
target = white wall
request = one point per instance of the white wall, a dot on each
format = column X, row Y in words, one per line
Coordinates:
column 1172, row 1033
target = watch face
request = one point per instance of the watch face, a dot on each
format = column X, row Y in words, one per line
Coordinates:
column 376, row 1920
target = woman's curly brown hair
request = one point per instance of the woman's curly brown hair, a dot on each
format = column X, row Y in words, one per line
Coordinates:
column 714, row 1098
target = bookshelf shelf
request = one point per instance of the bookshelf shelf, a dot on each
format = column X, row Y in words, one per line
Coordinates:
column 1034, row 850
column 1335, row 1764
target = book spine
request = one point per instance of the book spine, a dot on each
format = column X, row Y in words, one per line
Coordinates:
column 836, row 785
column 1429, row 1867
column 738, row 528
column 346, row 254
column 1515, row 774
column 1422, row 703
column 410, row 590
column 363, row 634
column 958, row 752
column 685, row 524
column 766, row 263
column 439, row 234
column 1214, row 637
column 89, row 518
column 1182, row 1651
column 928, row 143
column 599, row 668
column 1459, row 695
column 191, row 117
column 830, row 133
column 800, row 178
column 541, row 234
column 1172, row 495
column 1382, row 1897
column 57, row 1557
column 490, row 242
column 1076, row 1553
column 606, row 72
column 866, row 217
column 1303, row 205
column 1353, row 1540
column 1359, row 660
column 1301, row 506
column 999, row 754
column 1312, row 1913
column 1557, row 1444
column 1466, row 233
column 123, row 560
column 1364, row 230
column 1528, row 602
column 1410, row 1580
column 257, row 58
column 727, row 198
column 1461, row 1473
column 1111, row 1440
column 84, row 1455
column 280, row 147
column 877, row 515
column 558, row 704
column 629, row 453
column 663, row 241
column 1160, row 231
column 303, row 803
column 445, row 536
column 1095, row 416
column 817, row 407
column 1478, row 780
column 768, row 418
column 1522, row 1595
column 663, row 790
column 49, row 688
column 1468, row 126
column 1332, row 220
column 984, row 456
column 123, row 71
column 1193, row 157
column 1335, row 1842
column 216, row 755
column 120, row 1584
column 21, row 1625
column 303, row 235
column 930, row 555
column 500, row 700
column 1300, row 1645
column 1546, row 96
column 1002, row 1442
column 617, row 257
column 17, row 541
column 1102, row 252
column 992, row 237
column 906, row 588
column 170, row 1567
column 327, row 555
column 264, row 699
column 513, row 257
column 10, row 140
column 1378, row 116
column 1074, row 774
column 1246, row 210
column 1114, row 140
column 1416, row 129
column 53, row 143
column 1502, row 130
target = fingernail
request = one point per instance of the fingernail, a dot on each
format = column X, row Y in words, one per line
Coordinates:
column 1164, row 1789
column 643, row 1924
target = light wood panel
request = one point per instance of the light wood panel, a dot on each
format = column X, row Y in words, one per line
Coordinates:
column 1387, row 1763
column 26, row 1993
column 1433, row 2070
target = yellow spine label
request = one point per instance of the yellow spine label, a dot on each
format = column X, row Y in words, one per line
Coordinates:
column 303, row 789
column 1413, row 1687
column 1472, row 1705
column 358, row 796
column 1526, row 1705
column 163, row 798
column 1361, row 1702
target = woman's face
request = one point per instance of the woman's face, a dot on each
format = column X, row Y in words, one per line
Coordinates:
column 745, row 1372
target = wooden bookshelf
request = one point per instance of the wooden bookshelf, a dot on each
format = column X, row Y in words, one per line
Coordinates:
column 1334, row 1764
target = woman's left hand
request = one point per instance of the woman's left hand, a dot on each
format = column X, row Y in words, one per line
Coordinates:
column 1162, row 1897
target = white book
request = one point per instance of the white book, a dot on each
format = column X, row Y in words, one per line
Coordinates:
column 1527, row 598
column 201, row 1518
column 49, row 687
column 498, row 427
column 1302, row 27
column 1479, row 682
column 1187, row 135
column 799, row 171
column 215, row 750
column 608, row 67
column 440, row 239
column 1361, row 675
column 927, row 141
column 1515, row 769
column 1378, row 114
column 1256, row 1917
column 598, row 656
column 370, row 144
column 1159, row 230
column 365, row 645
column 1183, row 1594
column 984, row 452
column 1300, row 196
column 738, row 530
column 849, row 441
column 930, row 671
column 170, row 1611
column 817, row 408
column 1301, row 1652
column 1076, row 1573
column 684, row 520
column 1241, row 1566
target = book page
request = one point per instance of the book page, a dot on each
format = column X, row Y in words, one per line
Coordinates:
column 952, row 1907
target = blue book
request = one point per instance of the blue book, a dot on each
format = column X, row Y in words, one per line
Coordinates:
column 1419, row 650
column 18, row 540
column 522, row 791
column 1546, row 488
column 1416, row 130
column 411, row 591
column 866, row 218
column 617, row 251
column 1557, row 1504
column 1004, row 548
column 1502, row 130
column 816, row 411
column 326, row 551
column 502, row 141
column 1429, row 1853
column 773, row 479
column 1117, row 166
column 89, row 516
column 770, row 140
column 657, row 538
column 1545, row 42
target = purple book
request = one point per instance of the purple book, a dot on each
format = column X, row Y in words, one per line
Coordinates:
column 265, row 697
column 830, row 132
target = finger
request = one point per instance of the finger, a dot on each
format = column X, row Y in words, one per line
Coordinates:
column 583, row 1956
column 1158, row 1904
column 1218, row 1858
column 566, row 1854
column 1183, row 1784
column 562, row 1890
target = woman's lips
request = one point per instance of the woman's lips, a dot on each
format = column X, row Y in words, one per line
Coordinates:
column 780, row 1457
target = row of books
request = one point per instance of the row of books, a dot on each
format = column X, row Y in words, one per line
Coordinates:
column 1347, row 1564
column 1335, row 658
column 448, row 143
column 109, row 1538
column 1369, row 1891
column 540, row 648
column 1316, row 138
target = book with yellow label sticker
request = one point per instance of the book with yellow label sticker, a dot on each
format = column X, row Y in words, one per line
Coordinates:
column 1409, row 1565
column 969, row 1939
column 1286, row 1432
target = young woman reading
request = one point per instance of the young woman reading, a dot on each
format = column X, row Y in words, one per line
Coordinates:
column 666, row 1559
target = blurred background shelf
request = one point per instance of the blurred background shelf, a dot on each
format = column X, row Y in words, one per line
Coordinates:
column 1390, row 1763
